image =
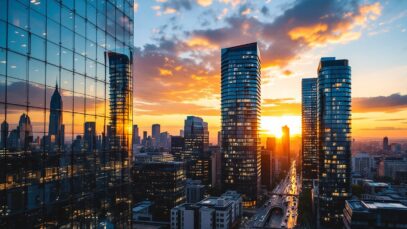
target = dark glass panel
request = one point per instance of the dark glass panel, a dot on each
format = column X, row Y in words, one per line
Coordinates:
column 54, row 10
column 38, row 5
column 37, row 47
column 37, row 23
column 36, row 95
column 3, row 38
column 17, row 39
column 17, row 91
column 36, row 71
column 18, row 14
column 17, row 65
column 53, row 33
column 3, row 61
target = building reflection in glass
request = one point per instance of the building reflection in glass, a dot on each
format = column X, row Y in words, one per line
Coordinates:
column 64, row 153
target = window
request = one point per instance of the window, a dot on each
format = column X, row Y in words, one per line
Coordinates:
column 67, row 38
column 39, row 6
column 36, row 71
column 3, row 38
column 17, row 39
column 53, row 10
column 79, row 64
column 52, row 53
column 80, row 7
column 37, row 47
column 66, row 58
column 80, row 45
column 52, row 76
column 17, row 66
column 80, row 25
column 67, row 18
column 53, row 33
column 37, row 24
column 18, row 14
column 3, row 61
column 3, row 10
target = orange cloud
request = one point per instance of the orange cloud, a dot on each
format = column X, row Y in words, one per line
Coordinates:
column 165, row 72
column 312, row 34
column 204, row 3
column 200, row 42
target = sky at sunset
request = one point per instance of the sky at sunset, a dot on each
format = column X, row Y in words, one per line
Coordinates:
column 177, row 59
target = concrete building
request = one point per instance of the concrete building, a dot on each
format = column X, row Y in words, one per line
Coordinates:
column 211, row 213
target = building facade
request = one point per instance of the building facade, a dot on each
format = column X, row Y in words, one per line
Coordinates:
column 64, row 64
column 195, row 154
column 334, row 138
column 240, row 92
column 309, row 132
column 156, row 177
column 212, row 212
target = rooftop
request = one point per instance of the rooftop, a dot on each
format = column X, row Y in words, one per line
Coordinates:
column 368, row 205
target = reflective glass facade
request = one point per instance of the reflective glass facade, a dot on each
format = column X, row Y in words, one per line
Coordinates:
column 66, row 112
column 196, row 156
column 240, row 104
column 309, row 132
column 334, row 138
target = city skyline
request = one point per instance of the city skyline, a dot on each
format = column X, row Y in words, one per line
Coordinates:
column 174, row 71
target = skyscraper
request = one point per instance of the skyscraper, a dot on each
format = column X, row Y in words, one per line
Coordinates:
column 56, row 129
column 90, row 136
column 155, row 134
column 25, row 130
column 271, row 147
column 334, row 138
column 240, row 86
column 4, row 134
column 121, row 99
column 177, row 147
column 136, row 135
column 196, row 137
column 386, row 145
column 54, row 182
column 286, row 153
column 309, row 132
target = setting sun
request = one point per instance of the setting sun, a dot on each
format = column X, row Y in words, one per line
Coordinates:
column 272, row 125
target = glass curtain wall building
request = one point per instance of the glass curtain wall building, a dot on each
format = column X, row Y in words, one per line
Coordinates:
column 66, row 112
column 309, row 132
column 334, row 139
column 241, row 81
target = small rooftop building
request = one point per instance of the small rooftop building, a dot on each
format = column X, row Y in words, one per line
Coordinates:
column 374, row 214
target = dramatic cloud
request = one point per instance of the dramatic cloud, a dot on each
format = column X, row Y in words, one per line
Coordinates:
column 186, row 67
column 392, row 103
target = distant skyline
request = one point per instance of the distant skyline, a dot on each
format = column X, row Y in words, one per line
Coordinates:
column 177, row 59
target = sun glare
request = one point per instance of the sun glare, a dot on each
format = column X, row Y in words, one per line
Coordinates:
column 272, row 125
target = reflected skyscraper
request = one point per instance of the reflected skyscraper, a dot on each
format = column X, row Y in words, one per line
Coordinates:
column 240, row 86
column 309, row 132
column 56, row 128
column 25, row 130
column 334, row 139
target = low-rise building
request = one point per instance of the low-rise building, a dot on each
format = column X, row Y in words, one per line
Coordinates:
column 195, row 191
column 374, row 214
column 211, row 213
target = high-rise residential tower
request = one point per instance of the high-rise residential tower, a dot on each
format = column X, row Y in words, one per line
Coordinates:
column 241, row 82
column 334, row 139
column 85, row 48
column 309, row 132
